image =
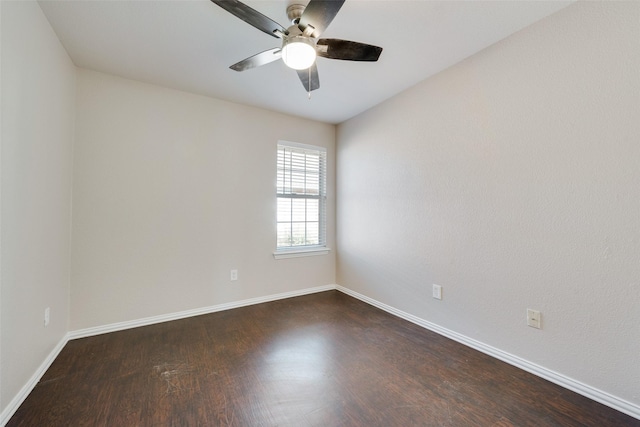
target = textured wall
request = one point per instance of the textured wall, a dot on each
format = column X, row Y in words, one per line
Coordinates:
column 513, row 180
column 171, row 192
column 38, row 96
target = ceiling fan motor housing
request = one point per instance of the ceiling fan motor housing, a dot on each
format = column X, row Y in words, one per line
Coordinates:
column 294, row 12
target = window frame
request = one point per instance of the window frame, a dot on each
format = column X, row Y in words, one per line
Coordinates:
column 294, row 251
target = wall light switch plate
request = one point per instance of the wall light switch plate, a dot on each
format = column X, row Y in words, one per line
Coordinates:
column 534, row 318
column 234, row 275
column 437, row 291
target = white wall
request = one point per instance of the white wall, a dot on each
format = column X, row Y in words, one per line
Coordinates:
column 171, row 192
column 38, row 97
column 513, row 180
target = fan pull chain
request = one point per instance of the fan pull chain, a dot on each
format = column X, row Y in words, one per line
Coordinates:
column 309, row 84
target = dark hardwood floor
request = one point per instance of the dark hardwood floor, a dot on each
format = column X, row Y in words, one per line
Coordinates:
column 319, row 360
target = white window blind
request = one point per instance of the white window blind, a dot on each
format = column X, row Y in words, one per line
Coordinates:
column 301, row 196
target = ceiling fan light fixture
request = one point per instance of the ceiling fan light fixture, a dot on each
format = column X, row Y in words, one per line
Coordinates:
column 298, row 52
column 301, row 42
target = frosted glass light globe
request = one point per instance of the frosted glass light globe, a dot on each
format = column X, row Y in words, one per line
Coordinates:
column 298, row 53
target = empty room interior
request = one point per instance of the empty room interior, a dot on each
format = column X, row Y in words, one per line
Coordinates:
column 467, row 251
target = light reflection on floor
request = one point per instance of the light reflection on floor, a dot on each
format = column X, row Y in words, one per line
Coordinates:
column 296, row 368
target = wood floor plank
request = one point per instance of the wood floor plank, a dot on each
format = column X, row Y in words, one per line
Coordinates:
column 319, row 360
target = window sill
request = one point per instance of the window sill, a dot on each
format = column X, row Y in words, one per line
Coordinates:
column 296, row 253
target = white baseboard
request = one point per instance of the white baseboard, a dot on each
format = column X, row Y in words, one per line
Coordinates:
column 120, row 326
column 540, row 371
column 15, row 403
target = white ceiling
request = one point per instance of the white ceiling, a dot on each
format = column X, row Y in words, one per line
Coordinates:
column 189, row 45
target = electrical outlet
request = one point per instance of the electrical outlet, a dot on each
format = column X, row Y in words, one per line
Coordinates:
column 47, row 313
column 437, row 291
column 234, row 275
column 534, row 318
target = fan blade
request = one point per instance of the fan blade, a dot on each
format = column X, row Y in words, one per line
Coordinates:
column 252, row 17
column 311, row 72
column 318, row 15
column 347, row 50
column 258, row 59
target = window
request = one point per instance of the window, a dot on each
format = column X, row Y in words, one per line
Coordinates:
column 301, row 197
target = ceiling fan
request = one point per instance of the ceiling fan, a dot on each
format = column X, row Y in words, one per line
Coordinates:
column 300, row 42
